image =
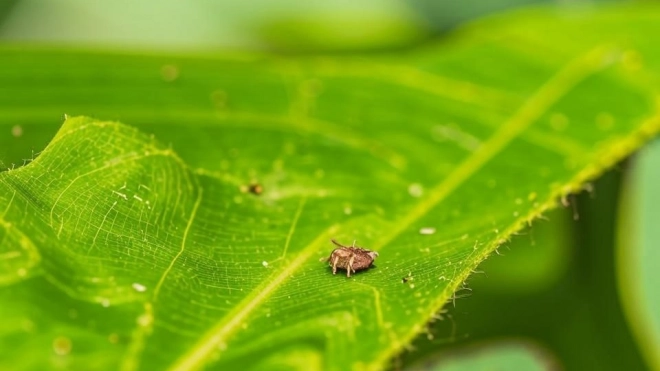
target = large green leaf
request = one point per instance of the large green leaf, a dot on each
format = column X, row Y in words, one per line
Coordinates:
column 123, row 248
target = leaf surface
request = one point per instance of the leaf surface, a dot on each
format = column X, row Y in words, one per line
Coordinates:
column 136, row 245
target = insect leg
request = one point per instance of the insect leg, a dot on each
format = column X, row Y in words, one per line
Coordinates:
column 334, row 265
column 349, row 268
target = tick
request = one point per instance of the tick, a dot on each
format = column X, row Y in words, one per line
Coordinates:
column 351, row 258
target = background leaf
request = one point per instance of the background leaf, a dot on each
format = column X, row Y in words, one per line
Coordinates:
column 437, row 169
column 638, row 255
column 503, row 356
column 213, row 24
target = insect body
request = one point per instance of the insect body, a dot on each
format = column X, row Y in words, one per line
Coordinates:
column 351, row 258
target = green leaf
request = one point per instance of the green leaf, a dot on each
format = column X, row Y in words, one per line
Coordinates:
column 503, row 355
column 638, row 255
column 140, row 248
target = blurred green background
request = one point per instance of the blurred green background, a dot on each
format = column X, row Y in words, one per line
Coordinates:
column 576, row 291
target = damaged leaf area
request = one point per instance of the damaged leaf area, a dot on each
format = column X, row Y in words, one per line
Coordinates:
column 140, row 244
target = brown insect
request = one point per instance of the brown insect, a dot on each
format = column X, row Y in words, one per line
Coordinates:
column 351, row 258
column 256, row 188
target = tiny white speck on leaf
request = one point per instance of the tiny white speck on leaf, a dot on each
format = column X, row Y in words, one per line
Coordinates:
column 427, row 230
column 139, row 287
column 416, row 190
column 264, row 263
